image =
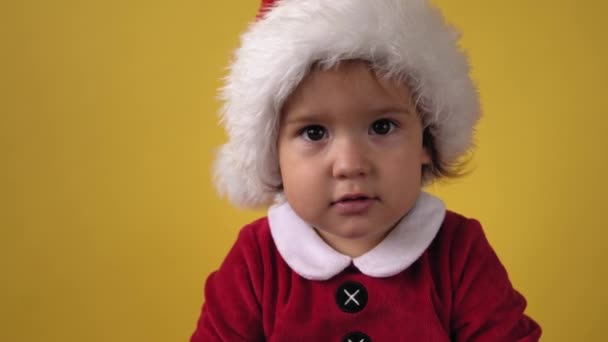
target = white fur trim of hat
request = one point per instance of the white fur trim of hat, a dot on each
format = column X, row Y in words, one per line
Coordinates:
column 404, row 38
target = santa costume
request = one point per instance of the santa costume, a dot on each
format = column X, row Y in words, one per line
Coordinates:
column 434, row 277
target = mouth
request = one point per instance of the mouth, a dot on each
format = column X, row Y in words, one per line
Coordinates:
column 353, row 198
column 353, row 204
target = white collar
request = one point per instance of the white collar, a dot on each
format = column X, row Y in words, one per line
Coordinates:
column 312, row 258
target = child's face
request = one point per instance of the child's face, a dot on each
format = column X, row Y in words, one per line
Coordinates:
column 351, row 155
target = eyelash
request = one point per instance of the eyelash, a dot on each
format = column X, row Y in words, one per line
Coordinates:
column 392, row 125
column 304, row 132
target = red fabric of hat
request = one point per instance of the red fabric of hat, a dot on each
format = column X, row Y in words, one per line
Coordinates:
column 266, row 4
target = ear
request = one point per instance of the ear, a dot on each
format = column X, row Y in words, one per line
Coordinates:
column 425, row 156
column 428, row 149
column 280, row 174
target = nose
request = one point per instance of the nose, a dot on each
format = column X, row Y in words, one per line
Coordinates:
column 350, row 159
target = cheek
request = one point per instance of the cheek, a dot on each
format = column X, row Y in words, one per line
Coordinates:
column 302, row 189
column 283, row 156
column 293, row 168
column 403, row 166
column 285, row 163
column 298, row 174
column 302, row 178
column 404, row 170
column 402, row 184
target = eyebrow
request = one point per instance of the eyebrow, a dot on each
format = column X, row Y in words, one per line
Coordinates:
column 392, row 110
column 303, row 117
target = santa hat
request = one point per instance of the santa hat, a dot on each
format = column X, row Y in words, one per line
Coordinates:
column 403, row 38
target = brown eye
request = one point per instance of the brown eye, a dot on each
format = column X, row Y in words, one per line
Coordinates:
column 314, row 133
column 382, row 127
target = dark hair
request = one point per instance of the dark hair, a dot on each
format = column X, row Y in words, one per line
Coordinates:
column 439, row 169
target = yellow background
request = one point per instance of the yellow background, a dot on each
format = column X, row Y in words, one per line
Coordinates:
column 109, row 221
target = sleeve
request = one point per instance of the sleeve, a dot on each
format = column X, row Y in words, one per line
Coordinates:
column 486, row 307
column 232, row 310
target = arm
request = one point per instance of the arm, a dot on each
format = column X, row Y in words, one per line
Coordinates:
column 486, row 307
column 232, row 310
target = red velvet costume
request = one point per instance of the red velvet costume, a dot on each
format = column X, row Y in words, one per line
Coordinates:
column 456, row 290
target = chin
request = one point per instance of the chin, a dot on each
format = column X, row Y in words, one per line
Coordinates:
column 358, row 231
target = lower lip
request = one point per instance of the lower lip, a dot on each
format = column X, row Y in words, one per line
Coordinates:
column 355, row 207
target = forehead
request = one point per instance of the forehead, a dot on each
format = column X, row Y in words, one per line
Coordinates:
column 349, row 83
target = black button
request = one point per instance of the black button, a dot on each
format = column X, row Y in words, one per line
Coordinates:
column 351, row 297
column 356, row 337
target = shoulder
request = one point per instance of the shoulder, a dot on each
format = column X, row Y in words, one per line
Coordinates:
column 253, row 241
column 233, row 293
column 461, row 242
column 485, row 306
column 257, row 231
column 459, row 229
column 248, row 257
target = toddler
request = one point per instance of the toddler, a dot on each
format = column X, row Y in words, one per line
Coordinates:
column 338, row 113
